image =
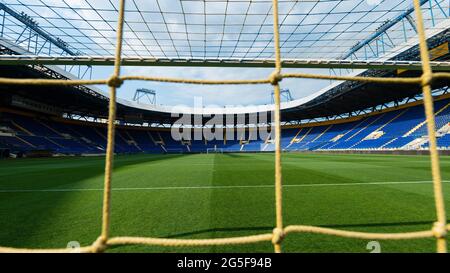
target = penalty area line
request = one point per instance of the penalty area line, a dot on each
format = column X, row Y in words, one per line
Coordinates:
column 224, row 187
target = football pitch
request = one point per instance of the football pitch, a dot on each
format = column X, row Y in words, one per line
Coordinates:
column 47, row 203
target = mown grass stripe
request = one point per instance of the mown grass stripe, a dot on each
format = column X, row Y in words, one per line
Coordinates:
column 226, row 187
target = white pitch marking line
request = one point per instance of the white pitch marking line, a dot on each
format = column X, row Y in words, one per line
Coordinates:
column 228, row 187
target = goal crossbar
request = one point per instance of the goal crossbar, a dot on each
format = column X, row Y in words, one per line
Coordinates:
column 261, row 63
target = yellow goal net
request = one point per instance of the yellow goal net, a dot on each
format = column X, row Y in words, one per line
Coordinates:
column 438, row 230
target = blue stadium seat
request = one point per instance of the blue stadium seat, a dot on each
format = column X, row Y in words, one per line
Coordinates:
column 389, row 130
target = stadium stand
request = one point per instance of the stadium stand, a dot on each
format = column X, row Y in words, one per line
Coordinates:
column 392, row 129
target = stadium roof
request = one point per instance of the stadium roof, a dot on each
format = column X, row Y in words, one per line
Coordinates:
column 223, row 29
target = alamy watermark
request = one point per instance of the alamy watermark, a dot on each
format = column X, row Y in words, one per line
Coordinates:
column 74, row 246
column 218, row 123
column 374, row 247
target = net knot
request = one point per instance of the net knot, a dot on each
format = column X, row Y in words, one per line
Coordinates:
column 115, row 81
column 275, row 78
column 99, row 245
column 439, row 230
column 427, row 79
column 278, row 236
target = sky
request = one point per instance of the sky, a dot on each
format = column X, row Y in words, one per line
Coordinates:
column 212, row 95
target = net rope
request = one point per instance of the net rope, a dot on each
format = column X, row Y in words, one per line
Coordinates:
column 438, row 230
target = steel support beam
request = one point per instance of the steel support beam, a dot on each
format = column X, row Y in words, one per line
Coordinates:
column 267, row 63
column 381, row 30
column 37, row 30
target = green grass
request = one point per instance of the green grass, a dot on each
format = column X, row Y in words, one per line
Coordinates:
column 32, row 216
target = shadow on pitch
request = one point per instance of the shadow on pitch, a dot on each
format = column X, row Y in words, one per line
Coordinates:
column 270, row 228
column 209, row 230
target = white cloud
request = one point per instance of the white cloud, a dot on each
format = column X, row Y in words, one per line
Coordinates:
column 174, row 94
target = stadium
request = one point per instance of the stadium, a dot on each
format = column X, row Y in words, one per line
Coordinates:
column 359, row 163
